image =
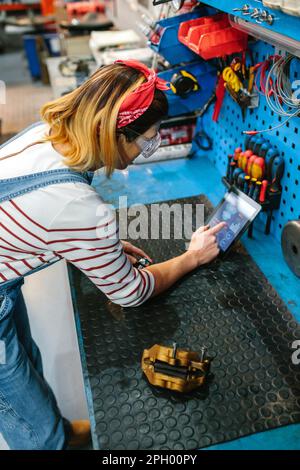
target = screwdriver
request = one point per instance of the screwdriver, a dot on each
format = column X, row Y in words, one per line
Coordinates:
column 240, row 160
column 247, row 142
column 264, row 149
column 237, row 153
column 250, row 163
column 271, row 154
column 252, row 187
column 236, row 174
column 232, row 167
column 262, row 196
column 246, row 184
column 257, row 189
column 230, row 157
column 257, row 145
column 258, row 168
column 276, row 174
column 240, row 180
column 246, row 155
column 250, row 141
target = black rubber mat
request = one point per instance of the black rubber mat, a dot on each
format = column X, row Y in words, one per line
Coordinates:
column 229, row 307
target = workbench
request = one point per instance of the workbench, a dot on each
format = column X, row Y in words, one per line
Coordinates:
column 164, row 181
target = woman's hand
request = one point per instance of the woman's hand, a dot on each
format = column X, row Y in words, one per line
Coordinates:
column 203, row 247
column 133, row 252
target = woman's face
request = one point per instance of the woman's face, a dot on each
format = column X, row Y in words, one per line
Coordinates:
column 131, row 150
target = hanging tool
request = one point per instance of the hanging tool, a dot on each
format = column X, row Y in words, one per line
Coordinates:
column 277, row 171
column 263, row 191
column 237, row 154
column 246, row 184
column 220, row 93
column 271, row 154
column 232, row 168
column 246, row 155
column 231, row 79
column 257, row 145
column 229, row 157
column 241, row 180
column 258, row 168
column 236, row 174
column 249, row 141
column 264, row 149
column 250, row 163
column 257, row 190
column 175, row 369
column 183, row 83
column 240, row 160
column 252, row 187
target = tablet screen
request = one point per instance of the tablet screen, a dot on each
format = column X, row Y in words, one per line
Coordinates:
column 237, row 212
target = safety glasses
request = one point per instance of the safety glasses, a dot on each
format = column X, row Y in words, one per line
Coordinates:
column 148, row 146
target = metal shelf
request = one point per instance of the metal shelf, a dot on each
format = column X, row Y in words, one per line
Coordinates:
column 19, row 6
column 287, row 25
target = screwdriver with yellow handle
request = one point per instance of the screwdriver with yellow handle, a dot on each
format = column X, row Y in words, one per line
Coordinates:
column 250, row 163
column 258, row 168
column 245, row 157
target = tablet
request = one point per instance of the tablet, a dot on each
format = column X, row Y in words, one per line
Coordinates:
column 238, row 211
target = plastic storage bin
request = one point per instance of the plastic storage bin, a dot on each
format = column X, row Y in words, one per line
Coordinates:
column 206, row 76
column 187, row 28
column 30, row 46
column 168, row 45
column 214, row 38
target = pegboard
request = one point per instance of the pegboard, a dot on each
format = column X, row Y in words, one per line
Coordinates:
column 227, row 135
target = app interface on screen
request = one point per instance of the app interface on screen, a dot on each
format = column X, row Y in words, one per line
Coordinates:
column 235, row 212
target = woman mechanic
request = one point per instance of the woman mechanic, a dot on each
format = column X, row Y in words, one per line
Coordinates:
column 49, row 211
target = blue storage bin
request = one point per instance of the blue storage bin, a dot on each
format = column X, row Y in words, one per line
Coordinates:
column 30, row 47
column 206, row 75
column 169, row 46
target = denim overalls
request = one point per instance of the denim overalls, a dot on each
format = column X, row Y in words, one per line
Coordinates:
column 29, row 416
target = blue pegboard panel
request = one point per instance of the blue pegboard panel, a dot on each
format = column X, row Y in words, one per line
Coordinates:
column 227, row 135
column 287, row 25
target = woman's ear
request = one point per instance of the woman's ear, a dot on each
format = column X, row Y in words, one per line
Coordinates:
column 121, row 138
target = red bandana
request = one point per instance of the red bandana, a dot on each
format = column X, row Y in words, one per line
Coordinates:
column 140, row 99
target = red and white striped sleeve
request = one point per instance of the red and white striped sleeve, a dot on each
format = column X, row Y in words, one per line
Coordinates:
column 85, row 233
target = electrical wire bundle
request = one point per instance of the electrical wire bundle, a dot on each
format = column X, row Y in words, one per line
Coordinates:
column 275, row 84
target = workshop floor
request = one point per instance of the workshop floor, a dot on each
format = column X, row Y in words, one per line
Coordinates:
column 23, row 97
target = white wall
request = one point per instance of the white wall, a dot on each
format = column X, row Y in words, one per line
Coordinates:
column 48, row 299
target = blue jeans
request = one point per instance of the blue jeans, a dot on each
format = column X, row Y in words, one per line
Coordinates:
column 29, row 415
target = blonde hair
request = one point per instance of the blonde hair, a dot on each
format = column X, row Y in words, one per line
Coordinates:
column 86, row 118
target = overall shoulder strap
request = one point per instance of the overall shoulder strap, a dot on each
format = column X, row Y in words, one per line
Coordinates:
column 14, row 187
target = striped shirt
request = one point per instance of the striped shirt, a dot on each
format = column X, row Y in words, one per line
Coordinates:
column 66, row 220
